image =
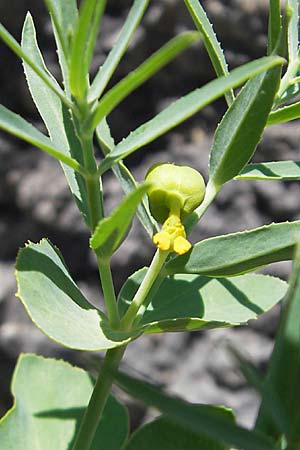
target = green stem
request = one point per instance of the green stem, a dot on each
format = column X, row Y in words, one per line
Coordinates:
column 139, row 298
column 94, row 411
column 109, row 292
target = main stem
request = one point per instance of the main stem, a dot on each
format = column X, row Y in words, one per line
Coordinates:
column 94, row 410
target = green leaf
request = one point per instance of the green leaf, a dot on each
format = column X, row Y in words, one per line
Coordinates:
column 56, row 305
column 64, row 16
column 83, row 44
column 293, row 30
column 146, row 70
column 125, row 178
column 285, row 114
column 55, row 116
column 50, row 397
column 167, row 435
column 111, row 231
column 48, row 80
column 184, row 108
column 111, row 63
column 277, row 170
column 202, row 420
column 14, row 124
column 237, row 253
column 210, row 40
column 241, row 128
column 274, row 25
column 193, row 302
column 284, row 369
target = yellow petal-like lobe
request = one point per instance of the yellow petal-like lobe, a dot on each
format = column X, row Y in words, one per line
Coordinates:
column 181, row 245
column 162, row 240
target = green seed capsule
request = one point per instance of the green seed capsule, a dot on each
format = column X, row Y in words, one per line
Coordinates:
column 176, row 190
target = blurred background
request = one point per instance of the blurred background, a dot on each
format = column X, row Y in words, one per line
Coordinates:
column 35, row 200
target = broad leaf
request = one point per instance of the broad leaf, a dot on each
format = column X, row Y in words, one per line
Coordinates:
column 241, row 128
column 14, row 124
column 284, row 370
column 64, row 16
column 165, row 434
column 106, row 71
column 210, row 40
column 184, row 108
column 44, row 76
column 50, row 397
column 56, row 305
column 202, row 420
column 277, row 170
column 146, row 70
column 193, row 302
column 55, row 116
column 237, row 253
column 83, row 44
column 284, row 114
column 111, row 231
column 125, row 178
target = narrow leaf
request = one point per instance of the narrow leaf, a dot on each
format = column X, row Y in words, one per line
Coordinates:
column 56, row 305
column 106, row 71
column 274, row 25
column 146, row 70
column 50, row 397
column 193, row 302
column 48, row 80
column 83, row 44
column 164, row 434
column 278, row 170
column 237, row 253
column 16, row 125
column 284, row 370
column 293, row 31
column 111, row 231
column 55, row 116
column 285, row 114
column 184, row 108
column 64, row 16
column 201, row 420
column 210, row 40
column 125, row 178
column 241, row 128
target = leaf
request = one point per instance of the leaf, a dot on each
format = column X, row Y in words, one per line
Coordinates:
column 111, row 231
column 64, row 16
column 164, row 434
column 277, row 170
column 184, row 108
column 285, row 114
column 210, row 40
column 237, row 253
column 125, row 178
column 55, row 116
column 50, row 397
column 293, row 39
column 274, row 25
column 193, row 302
column 111, row 62
column 14, row 124
column 83, row 44
column 56, row 305
column 241, row 128
column 146, row 70
column 284, row 369
column 202, row 420
column 44, row 76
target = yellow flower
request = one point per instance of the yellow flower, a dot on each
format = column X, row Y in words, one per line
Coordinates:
column 175, row 192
